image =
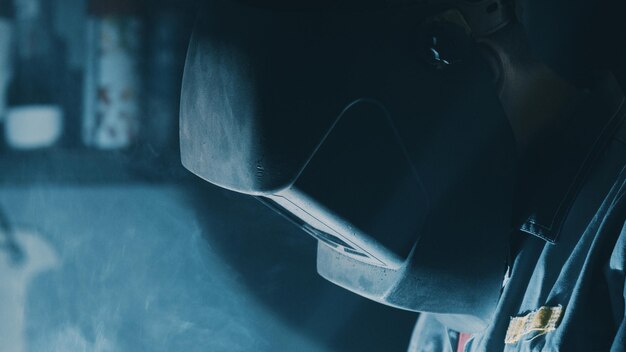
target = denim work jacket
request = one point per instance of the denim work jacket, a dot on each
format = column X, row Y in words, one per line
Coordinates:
column 565, row 288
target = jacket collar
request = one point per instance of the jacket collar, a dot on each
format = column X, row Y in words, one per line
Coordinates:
column 553, row 175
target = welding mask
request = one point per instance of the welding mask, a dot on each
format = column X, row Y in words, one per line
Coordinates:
column 376, row 129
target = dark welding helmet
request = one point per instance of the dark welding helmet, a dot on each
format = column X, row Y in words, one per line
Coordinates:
column 375, row 128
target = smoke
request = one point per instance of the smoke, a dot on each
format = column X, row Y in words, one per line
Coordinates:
column 137, row 275
column 70, row 338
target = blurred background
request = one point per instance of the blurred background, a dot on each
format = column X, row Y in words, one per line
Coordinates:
column 106, row 242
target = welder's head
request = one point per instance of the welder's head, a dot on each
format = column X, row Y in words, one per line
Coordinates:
column 376, row 129
column 576, row 38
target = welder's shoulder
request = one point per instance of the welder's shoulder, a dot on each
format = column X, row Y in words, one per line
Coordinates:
column 605, row 229
column 429, row 335
column 615, row 221
column 617, row 196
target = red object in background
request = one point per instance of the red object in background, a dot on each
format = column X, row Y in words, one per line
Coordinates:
column 112, row 92
column 463, row 338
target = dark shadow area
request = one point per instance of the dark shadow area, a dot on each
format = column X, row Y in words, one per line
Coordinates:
column 276, row 261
